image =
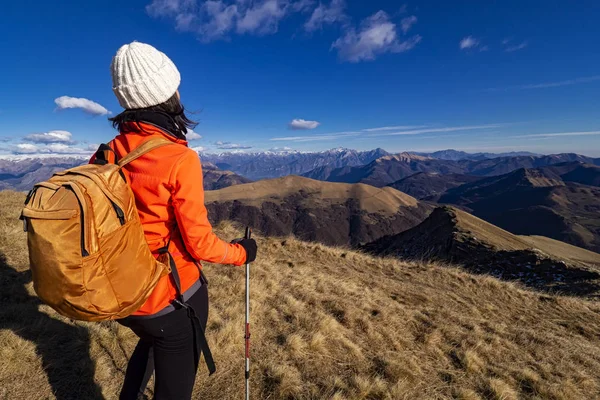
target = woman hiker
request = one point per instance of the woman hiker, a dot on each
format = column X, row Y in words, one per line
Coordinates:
column 167, row 184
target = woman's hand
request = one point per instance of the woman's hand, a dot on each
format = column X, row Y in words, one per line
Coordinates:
column 250, row 246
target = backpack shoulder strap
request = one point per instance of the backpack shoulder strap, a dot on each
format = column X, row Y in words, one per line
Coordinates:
column 144, row 148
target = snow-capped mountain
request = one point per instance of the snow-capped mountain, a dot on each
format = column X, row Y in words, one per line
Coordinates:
column 273, row 164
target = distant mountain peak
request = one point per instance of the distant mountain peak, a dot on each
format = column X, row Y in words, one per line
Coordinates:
column 534, row 177
column 404, row 157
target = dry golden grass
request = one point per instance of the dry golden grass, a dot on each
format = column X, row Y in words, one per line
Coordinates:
column 327, row 324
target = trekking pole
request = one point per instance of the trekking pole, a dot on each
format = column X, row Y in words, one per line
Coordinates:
column 247, row 334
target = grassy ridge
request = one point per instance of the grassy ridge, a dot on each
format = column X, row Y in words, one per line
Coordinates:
column 327, row 323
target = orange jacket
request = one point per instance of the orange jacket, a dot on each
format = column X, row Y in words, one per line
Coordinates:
column 167, row 184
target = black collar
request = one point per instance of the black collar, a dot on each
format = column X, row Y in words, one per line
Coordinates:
column 159, row 119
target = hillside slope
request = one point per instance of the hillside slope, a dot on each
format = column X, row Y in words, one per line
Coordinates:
column 324, row 212
column 455, row 236
column 534, row 202
column 326, row 324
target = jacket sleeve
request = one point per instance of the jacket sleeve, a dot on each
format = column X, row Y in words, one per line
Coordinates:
column 187, row 195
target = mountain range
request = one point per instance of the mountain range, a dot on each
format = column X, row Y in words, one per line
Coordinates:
column 268, row 164
column 454, row 155
column 552, row 201
column 23, row 173
column 391, row 168
column 340, row 165
column 555, row 196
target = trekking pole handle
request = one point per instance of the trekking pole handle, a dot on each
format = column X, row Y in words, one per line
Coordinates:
column 248, row 233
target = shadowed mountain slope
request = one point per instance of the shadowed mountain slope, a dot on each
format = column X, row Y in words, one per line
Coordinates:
column 576, row 172
column 504, row 165
column 431, row 185
column 534, row 202
column 330, row 213
column 457, row 237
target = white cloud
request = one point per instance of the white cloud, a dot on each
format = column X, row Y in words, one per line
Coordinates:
column 198, row 149
column 407, row 23
column 231, row 146
column 437, row 130
column 262, row 18
column 374, row 132
column 281, row 149
column 50, row 137
column 546, row 85
column 89, row 106
column 469, row 42
column 392, row 128
column 548, row 135
column 303, row 5
column 517, row 47
column 323, row 15
column 509, row 47
column 25, row 148
column 216, row 19
column 315, row 138
column 53, row 148
column 562, row 83
column 300, row 124
column 191, row 135
column 60, row 148
column 377, row 35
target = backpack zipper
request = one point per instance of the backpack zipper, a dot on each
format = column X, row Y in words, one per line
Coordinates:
column 84, row 252
column 119, row 211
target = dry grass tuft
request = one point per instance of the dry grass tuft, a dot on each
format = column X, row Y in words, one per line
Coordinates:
column 327, row 323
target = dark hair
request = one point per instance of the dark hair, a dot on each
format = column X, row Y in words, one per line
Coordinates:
column 169, row 115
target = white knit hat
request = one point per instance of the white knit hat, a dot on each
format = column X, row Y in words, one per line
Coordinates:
column 143, row 76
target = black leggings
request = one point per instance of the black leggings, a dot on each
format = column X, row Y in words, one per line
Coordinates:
column 166, row 346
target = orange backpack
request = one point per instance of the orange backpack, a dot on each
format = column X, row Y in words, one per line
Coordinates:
column 89, row 258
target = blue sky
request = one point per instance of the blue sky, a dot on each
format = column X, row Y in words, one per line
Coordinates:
column 478, row 76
